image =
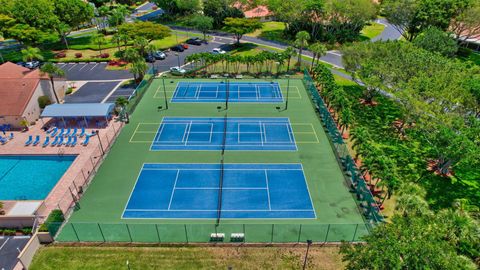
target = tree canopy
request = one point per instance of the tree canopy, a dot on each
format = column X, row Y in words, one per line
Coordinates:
column 147, row 30
column 240, row 26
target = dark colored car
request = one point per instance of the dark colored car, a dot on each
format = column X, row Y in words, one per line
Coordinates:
column 177, row 48
column 150, row 58
column 194, row 41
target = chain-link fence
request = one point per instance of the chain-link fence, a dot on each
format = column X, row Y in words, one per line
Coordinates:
column 140, row 90
column 202, row 233
column 367, row 202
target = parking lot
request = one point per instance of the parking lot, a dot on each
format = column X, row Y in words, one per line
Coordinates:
column 10, row 247
column 92, row 92
column 92, row 71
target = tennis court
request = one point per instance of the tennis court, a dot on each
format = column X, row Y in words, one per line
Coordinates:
column 258, row 92
column 178, row 133
column 247, row 191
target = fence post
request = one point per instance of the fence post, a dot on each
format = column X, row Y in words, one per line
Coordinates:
column 186, row 234
column 75, row 231
column 101, row 232
column 299, row 233
column 83, row 173
column 244, row 235
column 129, row 234
column 273, row 228
column 326, row 235
column 355, row 233
column 158, row 233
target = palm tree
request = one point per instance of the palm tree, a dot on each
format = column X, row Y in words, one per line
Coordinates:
column 411, row 200
column 131, row 55
column 51, row 70
column 122, row 102
column 29, row 54
column 289, row 53
column 141, row 43
column 117, row 38
column 138, row 69
column 301, row 41
column 318, row 50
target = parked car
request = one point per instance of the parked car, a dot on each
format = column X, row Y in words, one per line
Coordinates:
column 177, row 48
column 21, row 64
column 177, row 71
column 218, row 51
column 32, row 64
column 185, row 46
column 159, row 55
column 194, row 41
column 150, row 58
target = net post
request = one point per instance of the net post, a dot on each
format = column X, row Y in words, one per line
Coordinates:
column 101, row 232
column 299, row 233
column 355, row 233
column 158, row 233
column 326, row 235
column 273, row 228
column 129, row 234
column 186, row 233
column 75, row 231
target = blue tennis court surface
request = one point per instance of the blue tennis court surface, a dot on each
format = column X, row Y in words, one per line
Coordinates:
column 192, row 191
column 267, row 92
column 178, row 133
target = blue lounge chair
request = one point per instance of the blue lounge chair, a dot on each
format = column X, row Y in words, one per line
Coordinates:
column 67, row 133
column 54, row 132
column 37, row 140
column 62, row 131
column 82, row 133
column 29, row 141
column 60, row 141
column 69, row 141
column 74, row 142
column 11, row 136
column 74, row 133
column 87, row 139
column 3, row 140
column 47, row 141
column 55, row 141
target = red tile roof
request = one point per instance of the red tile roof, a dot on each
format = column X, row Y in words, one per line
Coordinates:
column 258, row 12
column 17, row 85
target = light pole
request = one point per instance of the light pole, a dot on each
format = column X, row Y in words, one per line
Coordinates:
column 128, row 265
column 278, row 66
column 309, row 242
column 97, row 132
column 164, row 93
column 178, row 58
column 288, row 90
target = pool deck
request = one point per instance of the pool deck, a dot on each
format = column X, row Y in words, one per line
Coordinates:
column 81, row 170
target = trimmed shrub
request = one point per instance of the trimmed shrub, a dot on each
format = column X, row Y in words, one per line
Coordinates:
column 78, row 55
column 104, row 55
column 56, row 216
column 69, row 91
column 43, row 101
column 60, row 55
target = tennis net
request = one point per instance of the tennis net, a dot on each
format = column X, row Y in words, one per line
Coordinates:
column 222, row 169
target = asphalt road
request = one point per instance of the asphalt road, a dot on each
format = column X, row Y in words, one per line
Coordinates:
column 92, row 92
column 10, row 247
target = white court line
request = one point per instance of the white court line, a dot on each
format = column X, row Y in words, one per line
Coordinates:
column 186, row 133
column 214, row 169
column 268, row 190
column 173, row 189
column 233, row 210
column 215, row 188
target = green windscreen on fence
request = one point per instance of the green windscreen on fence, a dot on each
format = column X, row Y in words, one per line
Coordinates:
column 364, row 196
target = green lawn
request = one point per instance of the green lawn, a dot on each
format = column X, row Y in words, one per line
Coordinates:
column 104, row 258
column 105, row 199
column 268, row 27
column 372, row 30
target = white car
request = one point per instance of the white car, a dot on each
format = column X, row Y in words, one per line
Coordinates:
column 177, row 71
column 218, row 51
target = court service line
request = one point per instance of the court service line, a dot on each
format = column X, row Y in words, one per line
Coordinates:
column 173, row 189
column 268, row 190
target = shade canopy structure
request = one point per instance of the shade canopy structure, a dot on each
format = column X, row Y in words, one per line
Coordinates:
column 78, row 110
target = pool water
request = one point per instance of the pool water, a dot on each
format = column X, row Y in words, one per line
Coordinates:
column 31, row 177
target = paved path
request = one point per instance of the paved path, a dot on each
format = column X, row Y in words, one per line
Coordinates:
column 10, row 247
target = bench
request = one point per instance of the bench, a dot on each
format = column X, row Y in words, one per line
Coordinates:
column 217, row 237
column 239, row 77
column 214, row 76
column 237, row 237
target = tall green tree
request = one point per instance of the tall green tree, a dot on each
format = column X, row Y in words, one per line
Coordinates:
column 71, row 15
column 30, row 54
column 301, row 41
column 240, row 26
column 147, row 30
column 219, row 10
column 203, row 24
column 437, row 41
column 52, row 71
column 318, row 50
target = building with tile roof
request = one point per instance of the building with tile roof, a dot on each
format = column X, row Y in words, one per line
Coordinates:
column 20, row 89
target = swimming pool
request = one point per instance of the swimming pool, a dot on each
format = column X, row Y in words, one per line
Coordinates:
column 31, row 177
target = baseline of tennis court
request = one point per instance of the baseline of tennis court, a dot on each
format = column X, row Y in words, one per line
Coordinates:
column 258, row 92
column 178, row 133
column 192, row 191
